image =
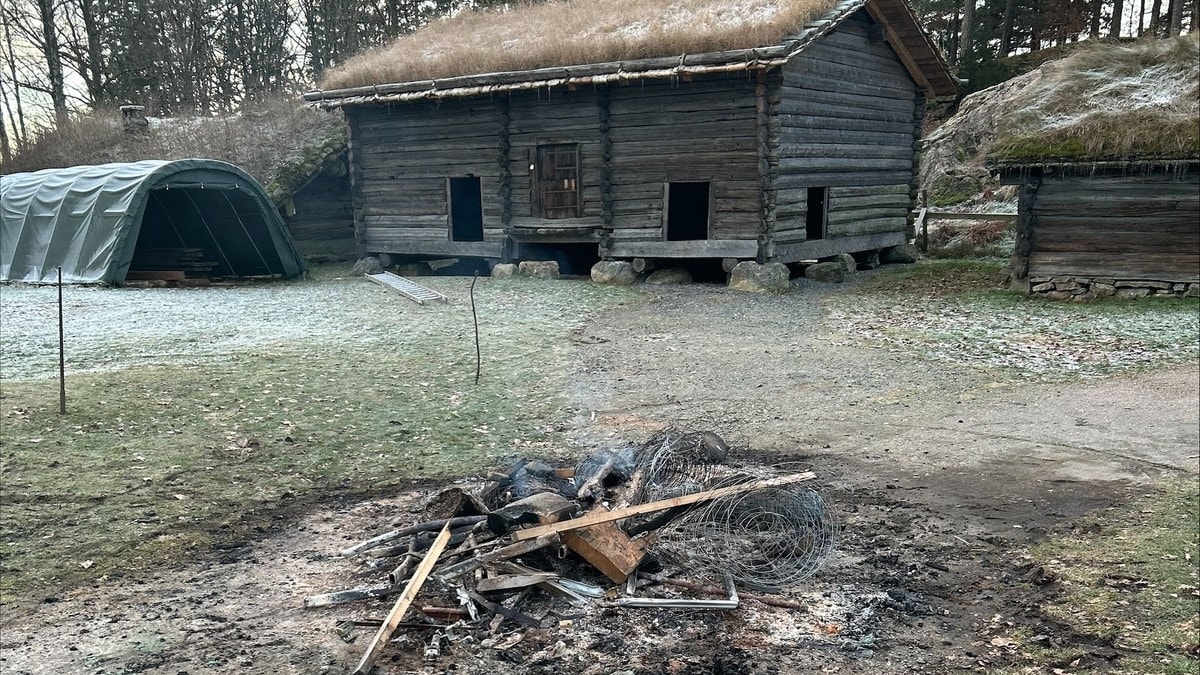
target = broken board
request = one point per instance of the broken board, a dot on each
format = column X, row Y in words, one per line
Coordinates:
column 607, row 548
column 407, row 287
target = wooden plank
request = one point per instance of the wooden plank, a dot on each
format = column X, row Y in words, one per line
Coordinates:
column 508, row 582
column 448, row 249
column 704, row 248
column 596, row 517
column 951, row 215
column 824, row 248
column 1180, row 268
column 403, row 602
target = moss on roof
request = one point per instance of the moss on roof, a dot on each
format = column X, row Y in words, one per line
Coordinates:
column 562, row 32
column 1136, row 102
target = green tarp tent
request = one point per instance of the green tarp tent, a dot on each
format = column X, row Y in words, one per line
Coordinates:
column 97, row 221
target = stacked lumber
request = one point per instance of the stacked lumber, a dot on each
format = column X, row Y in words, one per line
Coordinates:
column 169, row 263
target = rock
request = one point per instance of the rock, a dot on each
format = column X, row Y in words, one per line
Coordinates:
column 1103, row 290
column 616, row 272
column 1133, row 292
column 504, row 271
column 539, row 269
column 669, row 275
column 847, row 261
column 754, row 278
column 903, row 254
column 831, row 273
column 417, row 269
column 867, row 260
column 1042, row 288
column 1058, row 295
column 386, row 260
column 367, row 265
column 1193, row 291
column 1157, row 285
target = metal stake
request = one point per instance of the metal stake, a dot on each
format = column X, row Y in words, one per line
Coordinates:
column 62, row 357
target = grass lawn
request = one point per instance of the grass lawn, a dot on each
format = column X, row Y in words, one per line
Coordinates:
column 1131, row 578
column 195, row 415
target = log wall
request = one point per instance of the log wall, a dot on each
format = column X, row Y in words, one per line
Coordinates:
column 847, row 116
column 401, row 157
column 1111, row 230
column 705, row 130
column 322, row 224
column 544, row 118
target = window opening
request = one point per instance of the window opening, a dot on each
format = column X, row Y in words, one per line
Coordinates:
column 817, row 213
column 688, row 209
column 557, row 175
column 466, row 209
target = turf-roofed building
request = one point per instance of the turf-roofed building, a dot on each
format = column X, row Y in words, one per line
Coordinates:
column 1106, row 151
column 766, row 130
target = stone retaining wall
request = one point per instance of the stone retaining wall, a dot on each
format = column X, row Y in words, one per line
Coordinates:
column 1088, row 288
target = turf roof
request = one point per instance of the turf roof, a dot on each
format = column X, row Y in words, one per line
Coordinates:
column 1137, row 102
column 562, row 32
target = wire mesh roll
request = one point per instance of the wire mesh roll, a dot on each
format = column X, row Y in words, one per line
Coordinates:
column 672, row 464
column 769, row 539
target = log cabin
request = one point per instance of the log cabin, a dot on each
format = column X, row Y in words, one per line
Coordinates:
column 1108, row 175
column 800, row 145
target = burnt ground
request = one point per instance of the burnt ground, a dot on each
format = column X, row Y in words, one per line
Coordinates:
column 942, row 476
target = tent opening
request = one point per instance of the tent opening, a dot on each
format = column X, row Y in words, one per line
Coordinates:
column 195, row 232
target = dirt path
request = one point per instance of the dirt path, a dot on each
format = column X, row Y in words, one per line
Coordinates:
column 941, row 474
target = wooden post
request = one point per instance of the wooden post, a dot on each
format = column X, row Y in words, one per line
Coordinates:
column 924, row 222
column 62, row 352
column 403, row 603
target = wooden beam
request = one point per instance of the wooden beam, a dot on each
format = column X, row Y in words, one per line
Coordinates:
column 824, row 248
column 596, row 518
column 901, row 48
column 703, row 248
column 402, row 604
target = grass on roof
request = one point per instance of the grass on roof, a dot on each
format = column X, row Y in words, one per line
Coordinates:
column 570, row 33
column 1110, row 102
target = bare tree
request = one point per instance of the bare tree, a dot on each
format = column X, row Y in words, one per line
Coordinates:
column 54, row 69
column 5, row 147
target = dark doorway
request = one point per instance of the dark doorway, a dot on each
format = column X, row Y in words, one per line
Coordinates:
column 466, row 209
column 818, row 199
column 688, row 207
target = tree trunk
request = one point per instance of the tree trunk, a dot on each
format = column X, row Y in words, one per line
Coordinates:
column 53, row 59
column 20, row 135
column 95, row 51
column 968, row 24
column 1141, row 27
column 1176, row 26
column 5, row 149
column 1114, row 26
column 1010, row 10
column 1155, row 18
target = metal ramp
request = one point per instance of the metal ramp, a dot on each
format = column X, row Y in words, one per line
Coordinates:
column 406, row 287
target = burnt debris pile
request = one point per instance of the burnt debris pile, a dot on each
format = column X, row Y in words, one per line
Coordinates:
column 543, row 544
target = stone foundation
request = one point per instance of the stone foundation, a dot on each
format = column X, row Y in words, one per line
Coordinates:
column 1081, row 289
